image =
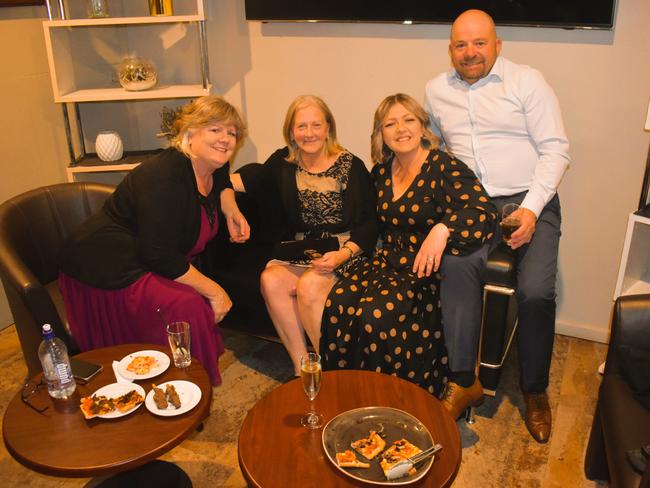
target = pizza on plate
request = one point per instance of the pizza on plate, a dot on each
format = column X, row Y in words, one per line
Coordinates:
column 128, row 401
column 398, row 451
column 95, row 405
column 347, row 459
column 141, row 364
column 369, row 446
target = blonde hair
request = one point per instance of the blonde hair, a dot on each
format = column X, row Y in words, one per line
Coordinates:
column 332, row 145
column 379, row 151
column 202, row 112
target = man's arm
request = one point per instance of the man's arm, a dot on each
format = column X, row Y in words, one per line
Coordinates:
column 544, row 123
column 546, row 129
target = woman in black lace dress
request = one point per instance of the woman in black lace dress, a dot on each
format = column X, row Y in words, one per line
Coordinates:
column 317, row 187
column 384, row 315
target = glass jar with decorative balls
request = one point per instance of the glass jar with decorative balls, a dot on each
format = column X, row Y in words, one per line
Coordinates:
column 136, row 74
column 97, row 8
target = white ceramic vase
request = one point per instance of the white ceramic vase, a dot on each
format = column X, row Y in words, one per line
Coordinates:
column 109, row 146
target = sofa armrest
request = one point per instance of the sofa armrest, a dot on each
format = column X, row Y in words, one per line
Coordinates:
column 630, row 328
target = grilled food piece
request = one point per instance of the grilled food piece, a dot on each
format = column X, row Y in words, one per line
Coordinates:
column 172, row 396
column 159, row 398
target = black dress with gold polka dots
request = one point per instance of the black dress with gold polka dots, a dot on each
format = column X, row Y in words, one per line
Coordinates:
column 380, row 316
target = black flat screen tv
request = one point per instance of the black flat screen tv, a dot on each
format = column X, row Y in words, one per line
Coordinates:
column 585, row 14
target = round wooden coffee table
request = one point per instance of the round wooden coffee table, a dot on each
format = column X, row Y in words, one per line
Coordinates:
column 61, row 442
column 276, row 451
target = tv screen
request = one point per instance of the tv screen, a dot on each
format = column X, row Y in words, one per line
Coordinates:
column 590, row 14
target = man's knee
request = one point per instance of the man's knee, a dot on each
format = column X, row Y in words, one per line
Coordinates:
column 466, row 268
column 531, row 292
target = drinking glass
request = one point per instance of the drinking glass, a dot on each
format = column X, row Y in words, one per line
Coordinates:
column 310, row 374
column 509, row 223
column 178, row 334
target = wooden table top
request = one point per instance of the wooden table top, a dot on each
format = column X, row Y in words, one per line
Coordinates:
column 276, row 451
column 61, row 442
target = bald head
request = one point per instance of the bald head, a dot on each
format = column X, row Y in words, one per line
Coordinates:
column 473, row 45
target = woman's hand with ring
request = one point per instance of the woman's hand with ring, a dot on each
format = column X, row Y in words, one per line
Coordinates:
column 429, row 256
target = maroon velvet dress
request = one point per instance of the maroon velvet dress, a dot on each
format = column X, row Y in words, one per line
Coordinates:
column 100, row 318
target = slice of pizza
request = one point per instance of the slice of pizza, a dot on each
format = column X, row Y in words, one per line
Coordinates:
column 93, row 406
column 369, row 446
column 347, row 459
column 128, row 401
column 141, row 364
column 397, row 452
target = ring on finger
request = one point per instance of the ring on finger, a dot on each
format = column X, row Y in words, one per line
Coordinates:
column 430, row 259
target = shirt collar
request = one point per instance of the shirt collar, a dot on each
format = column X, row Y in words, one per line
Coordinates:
column 496, row 74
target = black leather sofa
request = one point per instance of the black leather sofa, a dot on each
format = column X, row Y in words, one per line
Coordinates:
column 237, row 268
column 621, row 422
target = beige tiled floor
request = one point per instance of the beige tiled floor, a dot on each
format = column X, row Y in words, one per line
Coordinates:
column 497, row 450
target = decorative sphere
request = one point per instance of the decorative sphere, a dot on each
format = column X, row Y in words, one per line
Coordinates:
column 136, row 74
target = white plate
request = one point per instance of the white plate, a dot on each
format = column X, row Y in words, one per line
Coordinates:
column 115, row 390
column 161, row 357
column 189, row 393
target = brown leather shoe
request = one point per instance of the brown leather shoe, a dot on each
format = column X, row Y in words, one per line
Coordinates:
column 457, row 399
column 538, row 416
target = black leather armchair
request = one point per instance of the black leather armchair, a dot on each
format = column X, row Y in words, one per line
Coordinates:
column 33, row 227
column 621, row 422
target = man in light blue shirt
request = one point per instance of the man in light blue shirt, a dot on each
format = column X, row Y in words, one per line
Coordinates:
column 503, row 120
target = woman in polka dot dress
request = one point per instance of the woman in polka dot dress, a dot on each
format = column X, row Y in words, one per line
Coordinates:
column 384, row 314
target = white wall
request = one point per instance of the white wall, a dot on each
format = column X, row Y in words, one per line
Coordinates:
column 602, row 79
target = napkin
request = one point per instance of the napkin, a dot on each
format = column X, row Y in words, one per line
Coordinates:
column 118, row 377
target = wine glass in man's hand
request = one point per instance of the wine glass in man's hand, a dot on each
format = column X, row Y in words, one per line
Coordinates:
column 509, row 222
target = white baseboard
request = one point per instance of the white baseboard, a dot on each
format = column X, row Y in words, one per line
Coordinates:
column 589, row 332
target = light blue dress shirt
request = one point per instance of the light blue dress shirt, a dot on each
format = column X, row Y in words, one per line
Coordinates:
column 507, row 127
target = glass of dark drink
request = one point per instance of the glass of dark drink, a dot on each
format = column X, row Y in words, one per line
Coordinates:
column 509, row 223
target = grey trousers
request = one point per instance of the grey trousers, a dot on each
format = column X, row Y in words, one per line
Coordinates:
column 461, row 299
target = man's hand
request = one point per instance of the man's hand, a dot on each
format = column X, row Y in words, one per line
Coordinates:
column 524, row 233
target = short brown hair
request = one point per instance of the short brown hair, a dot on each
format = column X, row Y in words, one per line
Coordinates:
column 379, row 151
column 202, row 112
column 332, row 145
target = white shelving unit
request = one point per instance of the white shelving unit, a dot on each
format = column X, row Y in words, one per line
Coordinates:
column 634, row 271
column 83, row 54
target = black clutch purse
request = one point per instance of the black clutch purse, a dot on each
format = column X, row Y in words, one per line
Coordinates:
column 304, row 250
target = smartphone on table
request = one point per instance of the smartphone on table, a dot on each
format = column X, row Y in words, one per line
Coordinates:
column 83, row 371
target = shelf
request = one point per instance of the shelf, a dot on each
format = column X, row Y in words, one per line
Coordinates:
column 634, row 272
column 169, row 19
column 111, row 94
column 638, row 288
column 92, row 164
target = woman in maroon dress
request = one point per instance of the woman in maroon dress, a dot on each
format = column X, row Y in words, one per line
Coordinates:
column 135, row 255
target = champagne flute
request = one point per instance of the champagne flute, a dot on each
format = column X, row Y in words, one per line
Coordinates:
column 509, row 223
column 310, row 374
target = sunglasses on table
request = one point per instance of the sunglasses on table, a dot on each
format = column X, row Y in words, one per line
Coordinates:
column 29, row 391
